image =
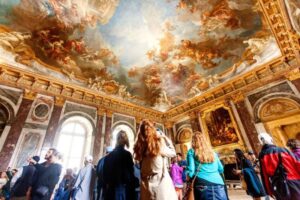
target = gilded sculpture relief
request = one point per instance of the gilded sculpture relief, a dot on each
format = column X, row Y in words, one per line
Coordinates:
column 278, row 108
column 293, row 7
column 152, row 53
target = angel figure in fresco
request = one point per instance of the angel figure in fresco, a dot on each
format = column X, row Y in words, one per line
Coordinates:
column 122, row 92
column 256, row 45
column 194, row 91
column 163, row 99
column 77, row 46
column 10, row 40
column 15, row 42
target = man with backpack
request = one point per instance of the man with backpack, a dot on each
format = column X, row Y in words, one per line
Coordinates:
column 280, row 170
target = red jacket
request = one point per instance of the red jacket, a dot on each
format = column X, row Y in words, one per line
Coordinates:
column 268, row 159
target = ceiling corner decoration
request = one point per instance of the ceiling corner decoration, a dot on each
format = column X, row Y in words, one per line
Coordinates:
column 153, row 53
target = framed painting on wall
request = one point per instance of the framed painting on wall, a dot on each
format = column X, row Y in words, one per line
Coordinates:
column 220, row 126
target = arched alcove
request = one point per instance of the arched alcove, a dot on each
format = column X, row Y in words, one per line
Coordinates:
column 280, row 115
column 130, row 133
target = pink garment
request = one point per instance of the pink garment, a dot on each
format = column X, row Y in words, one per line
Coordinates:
column 296, row 153
column 176, row 174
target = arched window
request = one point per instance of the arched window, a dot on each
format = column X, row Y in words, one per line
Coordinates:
column 74, row 141
column 129, row 132
column 4, row 117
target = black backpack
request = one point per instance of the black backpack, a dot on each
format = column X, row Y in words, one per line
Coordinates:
column 279, row 182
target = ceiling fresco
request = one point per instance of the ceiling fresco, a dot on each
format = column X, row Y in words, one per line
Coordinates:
column 155, row 53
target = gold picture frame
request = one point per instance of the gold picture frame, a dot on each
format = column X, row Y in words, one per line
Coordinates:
column 220, row 127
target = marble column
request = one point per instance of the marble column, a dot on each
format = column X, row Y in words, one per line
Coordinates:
column 297, row 83
column 99, row 135
column 108, row 136
column 194, row 118
column 249, row 126
column 137, row 124
column 15, row 130
column 169, row 131
column 53, row 123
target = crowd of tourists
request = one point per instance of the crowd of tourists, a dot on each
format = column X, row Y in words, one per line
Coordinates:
column 147, row 175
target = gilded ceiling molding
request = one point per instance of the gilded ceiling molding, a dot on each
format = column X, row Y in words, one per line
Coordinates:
column 59, row 101
column 238, row 96
column 193, row 114
column 293, row 75
column 278, row 20
column 37, row 83
column 268, row 72
column 29, row 94
column 101, row 111
column 169, row 124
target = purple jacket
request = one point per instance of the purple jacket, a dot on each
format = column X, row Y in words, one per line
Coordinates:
column 176, row 174
column 296, row 153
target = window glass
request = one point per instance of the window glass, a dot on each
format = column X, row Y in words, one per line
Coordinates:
column 72, row 142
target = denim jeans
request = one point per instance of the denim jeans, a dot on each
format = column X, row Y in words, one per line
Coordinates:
column 216, row 192
column 120, row 192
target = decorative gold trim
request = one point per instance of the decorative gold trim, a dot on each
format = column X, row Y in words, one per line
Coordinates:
column 238, row 96
column 293, row 75
column 37, row 83
column 268, row 72
column 101, row 111
column 277, row 19
column 275, row 14
column 29, row 94
column 239, row 144
column 59, row 101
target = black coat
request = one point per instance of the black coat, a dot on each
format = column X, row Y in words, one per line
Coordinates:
column 24, row 182
column 118, row 170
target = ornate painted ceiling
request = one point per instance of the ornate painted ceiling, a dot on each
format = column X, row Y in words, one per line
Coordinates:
column 155, row 53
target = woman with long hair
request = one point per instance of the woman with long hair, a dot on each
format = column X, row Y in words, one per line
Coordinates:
column 151, row 150
column 249, row 176
column 205, row 164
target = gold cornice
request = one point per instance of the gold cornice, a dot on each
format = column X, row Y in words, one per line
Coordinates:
column 237, row 96
column 29, row 94
column 37, row 83
column 169, row 124
column 293, row 75
column 59, row 101
column 277, row 18
column 101, row 111
column 275, row 14
column 109, row 113
column 269, row 72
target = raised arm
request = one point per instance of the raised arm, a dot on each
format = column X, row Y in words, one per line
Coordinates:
column 190, row 163
column 167, row 147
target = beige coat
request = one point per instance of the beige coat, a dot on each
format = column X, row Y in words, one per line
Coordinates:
column 156, row 181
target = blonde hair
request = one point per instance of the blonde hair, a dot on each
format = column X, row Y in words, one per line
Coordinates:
column 203, row 150
column 122, row 139
column 148, row 142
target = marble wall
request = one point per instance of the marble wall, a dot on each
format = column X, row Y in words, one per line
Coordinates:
column 14, row 133
column 41, row 116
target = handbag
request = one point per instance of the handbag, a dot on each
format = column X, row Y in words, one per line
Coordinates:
column 42, row 191
column 242, row 179
column 189, row 193
column 243, row 182
column 279, row 183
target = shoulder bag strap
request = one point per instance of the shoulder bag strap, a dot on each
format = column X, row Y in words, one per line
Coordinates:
column 197, row 171
column 79, row 185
